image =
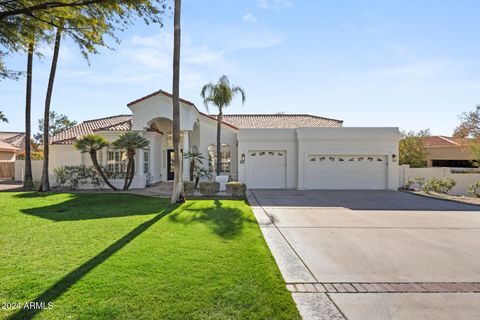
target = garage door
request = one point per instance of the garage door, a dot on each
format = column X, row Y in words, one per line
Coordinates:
column 266, row 169
column 345, row 172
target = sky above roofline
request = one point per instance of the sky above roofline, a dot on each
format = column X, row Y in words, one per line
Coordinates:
column 411, row 64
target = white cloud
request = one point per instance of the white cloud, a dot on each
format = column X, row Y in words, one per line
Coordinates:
column 249, row 17
column 274, row 4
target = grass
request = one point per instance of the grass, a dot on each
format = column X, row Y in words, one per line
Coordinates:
column 111, row 256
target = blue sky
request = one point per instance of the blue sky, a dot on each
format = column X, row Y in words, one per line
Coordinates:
column 412, row 64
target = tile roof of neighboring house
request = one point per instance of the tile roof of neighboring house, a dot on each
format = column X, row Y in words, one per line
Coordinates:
column 115, row 123
column 5, row 146
column 443, row 141
column 16, row 139
column 278, row 121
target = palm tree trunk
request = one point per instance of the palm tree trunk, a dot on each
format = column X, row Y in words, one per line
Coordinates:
column 192, row 169
column 132, row 172
column 219, row 146
column 177, row 192
column 45, row 183
column 28, row 178
column 96, row 165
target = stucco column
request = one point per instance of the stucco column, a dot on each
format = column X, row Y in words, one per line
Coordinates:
column 186, row 162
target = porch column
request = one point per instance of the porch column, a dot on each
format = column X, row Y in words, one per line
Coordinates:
column 186, row 162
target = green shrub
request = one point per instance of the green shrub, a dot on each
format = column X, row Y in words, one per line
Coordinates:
column 418, row 181
column 188, row 188
column 74, row 177
column 209, row 188
column 443, row 185
column 474, row 189
column 236, row 189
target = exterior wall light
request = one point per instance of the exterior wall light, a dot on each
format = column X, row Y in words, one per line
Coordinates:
column 242, row 158
column 394, row 157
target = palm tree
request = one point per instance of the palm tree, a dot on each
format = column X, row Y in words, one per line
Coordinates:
column 92, row 143
column 196, row 159
column 220, row 95
column 177, row 192
column 28, row 177
column 45, row 183
column 3, row 118
column 130, row 141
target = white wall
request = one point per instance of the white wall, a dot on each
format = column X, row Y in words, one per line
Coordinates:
column 464, row 180
column 36, row 169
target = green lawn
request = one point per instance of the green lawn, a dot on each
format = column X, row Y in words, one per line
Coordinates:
column 119, row 256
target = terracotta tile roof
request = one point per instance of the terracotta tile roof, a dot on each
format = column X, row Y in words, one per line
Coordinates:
column 114, row 123
column 16, row 139
column 443, row 141
column 5, row 146
column 278, row 121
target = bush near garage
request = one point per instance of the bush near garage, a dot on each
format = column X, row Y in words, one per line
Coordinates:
column 474, row 189
column 209, row 188
column 443, row 185
column 236, row 189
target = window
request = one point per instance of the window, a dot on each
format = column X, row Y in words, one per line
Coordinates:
column 116, row 161
column 224, row 157
column 146, row 161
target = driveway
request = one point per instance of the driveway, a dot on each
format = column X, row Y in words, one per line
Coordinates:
column 374, row 254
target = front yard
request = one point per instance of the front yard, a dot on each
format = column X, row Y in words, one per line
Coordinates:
column 111, row 256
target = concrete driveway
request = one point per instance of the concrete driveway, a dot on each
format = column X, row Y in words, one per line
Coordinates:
column 374, row 254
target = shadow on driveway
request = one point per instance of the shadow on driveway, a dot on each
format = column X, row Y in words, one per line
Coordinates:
column 357, row 200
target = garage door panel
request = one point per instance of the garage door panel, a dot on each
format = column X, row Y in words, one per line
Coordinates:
column 266, row 169
column 345, row 172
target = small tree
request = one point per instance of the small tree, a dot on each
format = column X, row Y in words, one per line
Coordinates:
column 469, row 124
column 58, row 123
column 92, row 143
column 130, row 141
column 196, row 159
column 413, row 150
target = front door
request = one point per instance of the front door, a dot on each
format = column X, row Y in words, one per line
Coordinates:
column 170, row 164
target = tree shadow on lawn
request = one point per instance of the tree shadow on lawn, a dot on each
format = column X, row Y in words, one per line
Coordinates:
column 95, row 206
column 60, row 287
column 227, row 222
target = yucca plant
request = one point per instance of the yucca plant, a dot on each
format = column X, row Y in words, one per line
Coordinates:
column 92, row 143
column 130, row 141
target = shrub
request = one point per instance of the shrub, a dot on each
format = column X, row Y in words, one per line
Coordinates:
column 34, row 155
column 443, row 185
column 236, row 189
column 189, row 188
column 417, row 181
column 209, row 188
column 474, row 189
column 74, row 177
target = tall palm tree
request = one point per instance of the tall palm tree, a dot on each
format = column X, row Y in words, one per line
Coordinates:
column 3, row 118
column 28, row 177
column 130, row 141
column 45, row 183
column 92, row 143
column 177, row 192
column 220, row 95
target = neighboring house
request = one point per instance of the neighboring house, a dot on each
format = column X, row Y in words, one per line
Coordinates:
column 7, row 152
column 17, row 140
column 449, row 152
column 264, row 151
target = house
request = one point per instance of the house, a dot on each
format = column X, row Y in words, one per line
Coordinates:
column 17, row 140
column 294, row 151
column 7, row 152
column 449, row 152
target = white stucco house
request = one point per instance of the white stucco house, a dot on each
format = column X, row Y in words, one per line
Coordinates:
column 264, row 151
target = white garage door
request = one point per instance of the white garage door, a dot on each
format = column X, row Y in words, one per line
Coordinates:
column 266, row 169
column 346, row 172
